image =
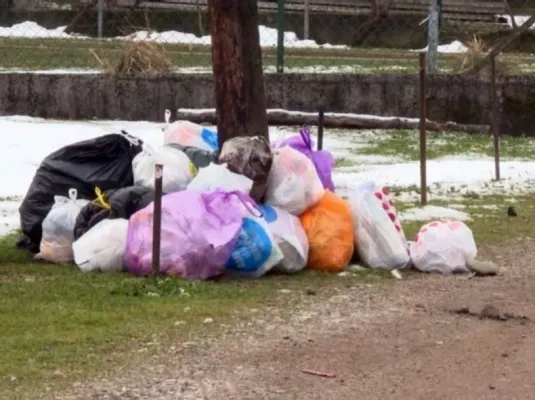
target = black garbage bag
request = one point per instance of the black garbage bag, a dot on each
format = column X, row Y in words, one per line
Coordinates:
column 119, row 203
column 199, row 157
column 105, row 161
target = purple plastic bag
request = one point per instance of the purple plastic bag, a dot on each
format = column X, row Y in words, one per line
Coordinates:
column 323, row 160
column 199, row 232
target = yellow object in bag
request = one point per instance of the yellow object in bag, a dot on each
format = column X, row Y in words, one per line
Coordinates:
column 329, row 229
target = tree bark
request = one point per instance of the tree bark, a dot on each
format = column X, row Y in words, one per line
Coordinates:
column 237, row 66
column 332, row 120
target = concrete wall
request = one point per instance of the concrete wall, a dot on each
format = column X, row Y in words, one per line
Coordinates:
column 88, row 96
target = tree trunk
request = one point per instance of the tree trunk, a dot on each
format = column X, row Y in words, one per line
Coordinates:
column 237, row 66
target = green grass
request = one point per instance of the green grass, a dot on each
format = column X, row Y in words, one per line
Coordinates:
column 489, row 220
column 52, row 53
column 59, row 325
column 405, row 145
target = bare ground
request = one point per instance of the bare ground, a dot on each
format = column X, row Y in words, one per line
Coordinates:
column 413, row 339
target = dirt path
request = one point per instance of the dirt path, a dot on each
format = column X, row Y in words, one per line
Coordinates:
column 399, row 341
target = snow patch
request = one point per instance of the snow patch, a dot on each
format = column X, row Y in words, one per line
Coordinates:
column 32, row 30
column 519, row 20
column 268, row 36
column 451, row 48
column 429, row 213
column 9, row 216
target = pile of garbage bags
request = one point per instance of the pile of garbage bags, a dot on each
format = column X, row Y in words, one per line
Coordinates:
column 245, row 210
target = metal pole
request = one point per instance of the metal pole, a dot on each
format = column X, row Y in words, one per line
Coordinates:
column 157, row 219
column 423, row 135
column 432, row 37
column 321, row 124
column 100, row 18
column 439, row 5
column 494, row 120
column 280, row 36
column 306, row 23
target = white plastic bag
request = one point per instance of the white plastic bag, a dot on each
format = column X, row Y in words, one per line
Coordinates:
column 58, row 226
column 379, row 236
column 291, row 238
column 216, row 176
column 178, row 170
column 256, row 251
column 443, row 246
column 293, row 183
column 187, row 133
column 102, row 247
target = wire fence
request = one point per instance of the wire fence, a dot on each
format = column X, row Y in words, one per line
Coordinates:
column 351, row 36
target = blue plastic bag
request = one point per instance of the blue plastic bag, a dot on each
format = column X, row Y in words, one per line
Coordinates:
column 256, row 251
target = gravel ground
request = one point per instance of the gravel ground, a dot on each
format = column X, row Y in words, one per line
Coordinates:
column 423, row 337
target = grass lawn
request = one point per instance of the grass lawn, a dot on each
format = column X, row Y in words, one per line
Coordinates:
column 405, row 144
column 490, row 222
column 36, row 54
column 59, row 325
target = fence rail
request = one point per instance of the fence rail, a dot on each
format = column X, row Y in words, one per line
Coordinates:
column 482, row 10
column 478, row 10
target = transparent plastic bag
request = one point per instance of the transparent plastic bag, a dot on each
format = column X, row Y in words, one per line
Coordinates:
column 178, row 170
column 216, row 176
column 187, row 133
column 58, row 229
column 102, row 248
column 291, row 238
column 443, row 246
column 256, row 251
column 293, row 183
column 379, row 236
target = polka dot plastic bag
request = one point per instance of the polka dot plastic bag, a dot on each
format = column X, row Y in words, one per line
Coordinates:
column 443, row 246
column 379, row 236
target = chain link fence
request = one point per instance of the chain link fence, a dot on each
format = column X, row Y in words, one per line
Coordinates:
column 351, row 36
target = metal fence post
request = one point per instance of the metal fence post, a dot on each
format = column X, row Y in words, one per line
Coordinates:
column 157, row 219
column 321, row 124
column 432, row 37
column 494, row 118
column 280, row 36
column 100, row 18
column 423, row 132
column 306, row 22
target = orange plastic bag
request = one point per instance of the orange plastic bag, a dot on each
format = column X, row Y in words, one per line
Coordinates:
column 329, row 229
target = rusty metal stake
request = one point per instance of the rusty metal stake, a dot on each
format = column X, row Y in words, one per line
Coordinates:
column 157, row 219
column 494, row 119
column 423, row 134
column 321, row 124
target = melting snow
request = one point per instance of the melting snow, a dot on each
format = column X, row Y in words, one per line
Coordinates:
column 453, row 47
column 26, row 141
column 268, row 36
column 429, row 213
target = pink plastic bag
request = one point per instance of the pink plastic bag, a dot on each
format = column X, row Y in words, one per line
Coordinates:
column 199, row 232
